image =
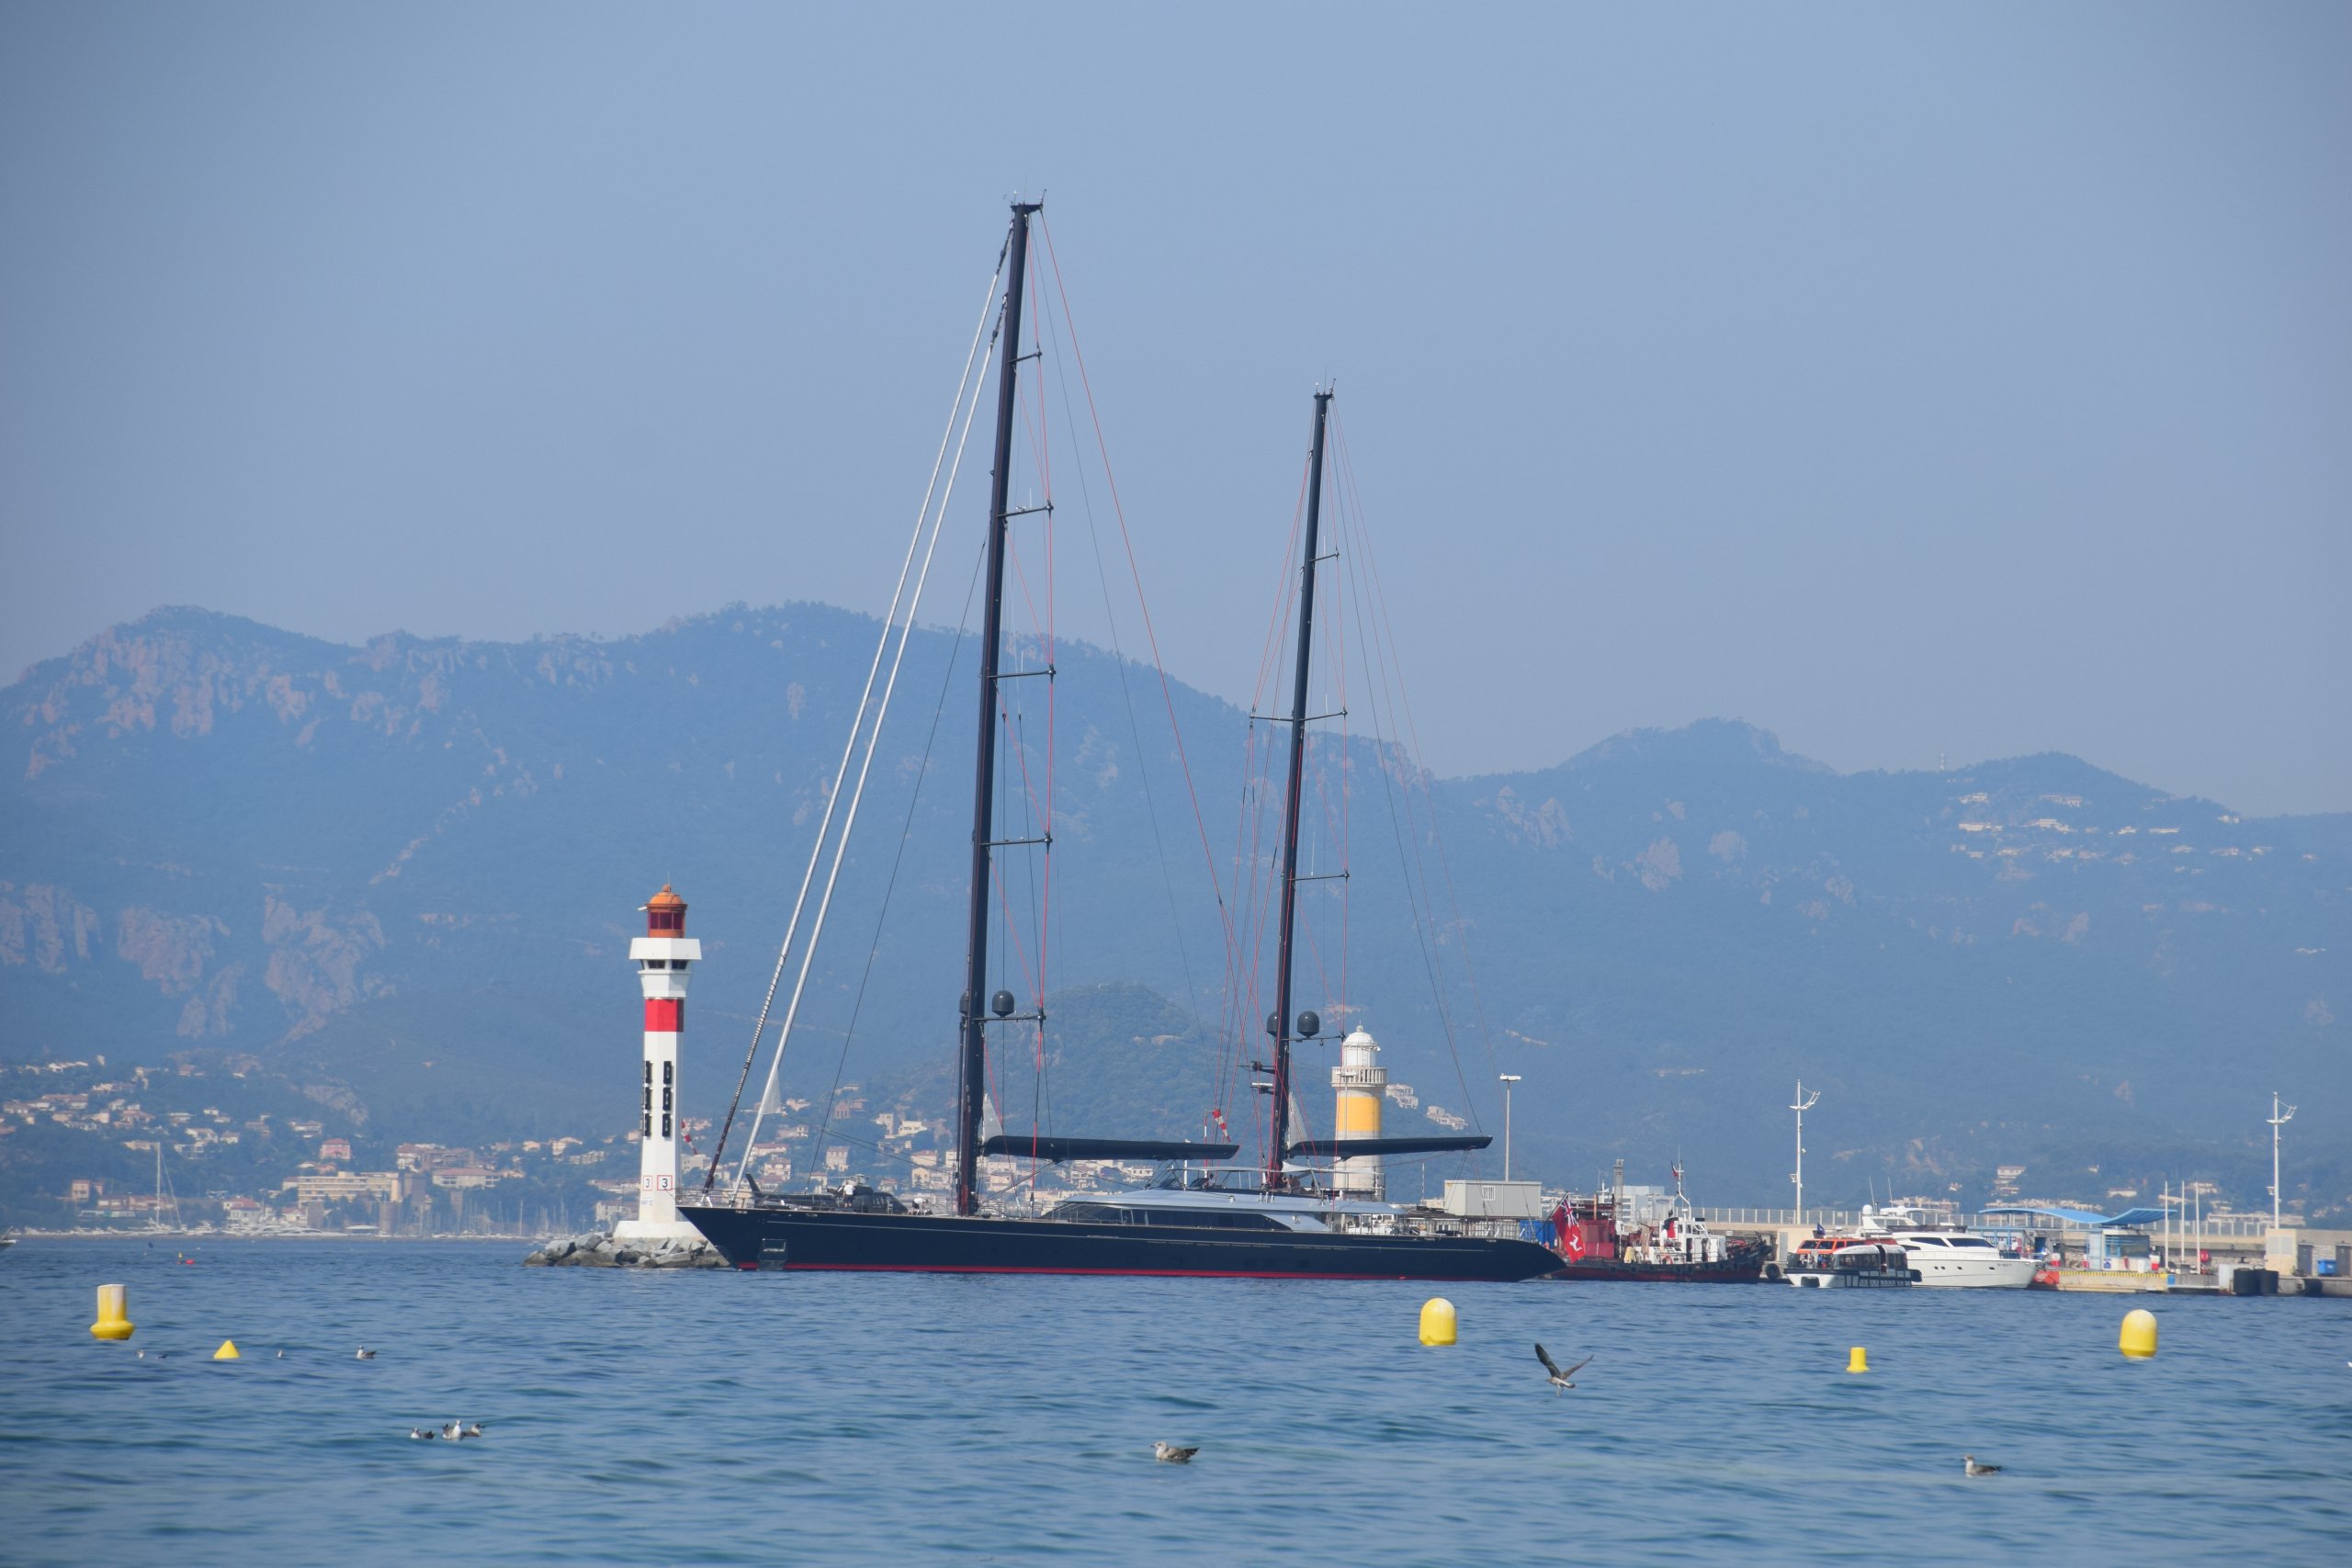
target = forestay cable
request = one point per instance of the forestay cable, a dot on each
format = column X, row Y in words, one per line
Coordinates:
column 965, row 387
column 865, row 766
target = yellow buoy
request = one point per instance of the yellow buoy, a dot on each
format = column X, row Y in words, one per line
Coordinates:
column 2138, row 1339
column 114, row 1313
column 228, row 1351
column 1438, row 1321
column 1855, row 1361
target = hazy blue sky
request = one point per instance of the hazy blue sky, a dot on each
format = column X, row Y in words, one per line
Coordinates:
column 1972, row 379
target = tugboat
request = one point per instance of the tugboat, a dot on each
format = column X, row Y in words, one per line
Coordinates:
column 1851, row 1262
column 1604, row 1237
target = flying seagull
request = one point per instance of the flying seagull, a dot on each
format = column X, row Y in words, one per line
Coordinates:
column 1559, row 1378
column 364, row 1354
column 1168, row 1453
column 1970, row 1467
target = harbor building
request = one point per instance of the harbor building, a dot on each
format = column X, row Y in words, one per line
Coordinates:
column 663, row 956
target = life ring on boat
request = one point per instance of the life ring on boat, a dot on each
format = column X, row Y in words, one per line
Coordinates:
column 1775, row 1274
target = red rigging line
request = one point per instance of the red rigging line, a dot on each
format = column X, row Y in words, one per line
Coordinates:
column 1270, row 656
column 1384, row 654
column 1151, row 634
column 1217, row 1059
column 1445, row 865
column 1242, row 988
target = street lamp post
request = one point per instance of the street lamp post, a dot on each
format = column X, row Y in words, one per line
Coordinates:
column 1801, row 1105
column 2278, row 1118
column 1509, row 1079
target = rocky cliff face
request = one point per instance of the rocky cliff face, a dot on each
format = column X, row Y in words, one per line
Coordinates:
column 406, row 874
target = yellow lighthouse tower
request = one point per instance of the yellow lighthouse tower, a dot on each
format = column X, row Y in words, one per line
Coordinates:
column 1361, row 1083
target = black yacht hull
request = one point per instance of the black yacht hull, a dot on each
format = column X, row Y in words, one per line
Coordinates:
column 806, row 1238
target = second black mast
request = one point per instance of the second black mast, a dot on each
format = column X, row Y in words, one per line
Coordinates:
column 1280, row 1024
column 972, row 1066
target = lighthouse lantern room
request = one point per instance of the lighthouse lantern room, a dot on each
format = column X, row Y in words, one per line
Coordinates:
column 663, row 956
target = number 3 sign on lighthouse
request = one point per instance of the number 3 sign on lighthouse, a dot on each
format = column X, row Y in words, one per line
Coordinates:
column 663, row 956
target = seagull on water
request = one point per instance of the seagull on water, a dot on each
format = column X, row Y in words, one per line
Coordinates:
column 1168, row 1453
column 1970, row 1467
column 470, row 1429
column 156, row 1356
column 364, row 1354
column 1559, row 1378
column 422, row 1434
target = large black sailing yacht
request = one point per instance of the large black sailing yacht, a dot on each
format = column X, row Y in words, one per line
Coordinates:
column 1209, row 1219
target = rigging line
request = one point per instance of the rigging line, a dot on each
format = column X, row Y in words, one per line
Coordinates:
column 1160, row 666
column 1036, row 422
column 1446, row 863
column 906, row 832
column 833, row 797
column 1126, row 692
column 1334, row 773
column 1020, row 749
column 1415, row 892
column 865, row 767
column 1265, row 876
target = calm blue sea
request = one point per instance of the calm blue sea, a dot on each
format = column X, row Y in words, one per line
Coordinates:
column 724, row 1418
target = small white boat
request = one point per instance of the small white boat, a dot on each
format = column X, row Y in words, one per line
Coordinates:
column 1851, row 1263
column 1947, row 1256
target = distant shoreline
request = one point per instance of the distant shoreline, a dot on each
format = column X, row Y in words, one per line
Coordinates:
column 223, row 1236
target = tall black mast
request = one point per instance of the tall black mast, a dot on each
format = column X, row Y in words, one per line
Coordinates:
column 1281, row 1024
column 972, row 1067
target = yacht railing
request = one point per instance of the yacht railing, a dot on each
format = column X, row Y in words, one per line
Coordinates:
column 2219, row 1226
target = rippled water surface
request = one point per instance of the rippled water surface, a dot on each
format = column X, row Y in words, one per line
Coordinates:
column 725, row 1417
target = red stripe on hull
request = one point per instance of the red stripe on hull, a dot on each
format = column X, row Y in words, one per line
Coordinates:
column 665, row 1015
column 1121, row 1273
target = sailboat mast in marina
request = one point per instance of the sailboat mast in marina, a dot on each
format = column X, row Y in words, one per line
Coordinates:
column 972, row 1059
column 1280, row 1023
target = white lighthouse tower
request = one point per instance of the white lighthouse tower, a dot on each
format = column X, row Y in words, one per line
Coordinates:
column 1362, row 1082
column 662, row 956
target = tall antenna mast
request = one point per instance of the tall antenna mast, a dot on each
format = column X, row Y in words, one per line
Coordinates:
column 2278, row 1120
column 1801, row 1104
column 972, row 1066
column 1280, row 1024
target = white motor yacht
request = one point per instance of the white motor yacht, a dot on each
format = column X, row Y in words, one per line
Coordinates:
column 1947, row 1256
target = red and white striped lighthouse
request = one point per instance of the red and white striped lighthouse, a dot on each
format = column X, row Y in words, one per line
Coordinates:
column 662, row 955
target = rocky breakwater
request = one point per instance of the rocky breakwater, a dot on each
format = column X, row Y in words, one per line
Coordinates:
column 599, row 1249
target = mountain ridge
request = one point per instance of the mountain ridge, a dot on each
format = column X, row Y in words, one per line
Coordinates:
column 226, row 837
